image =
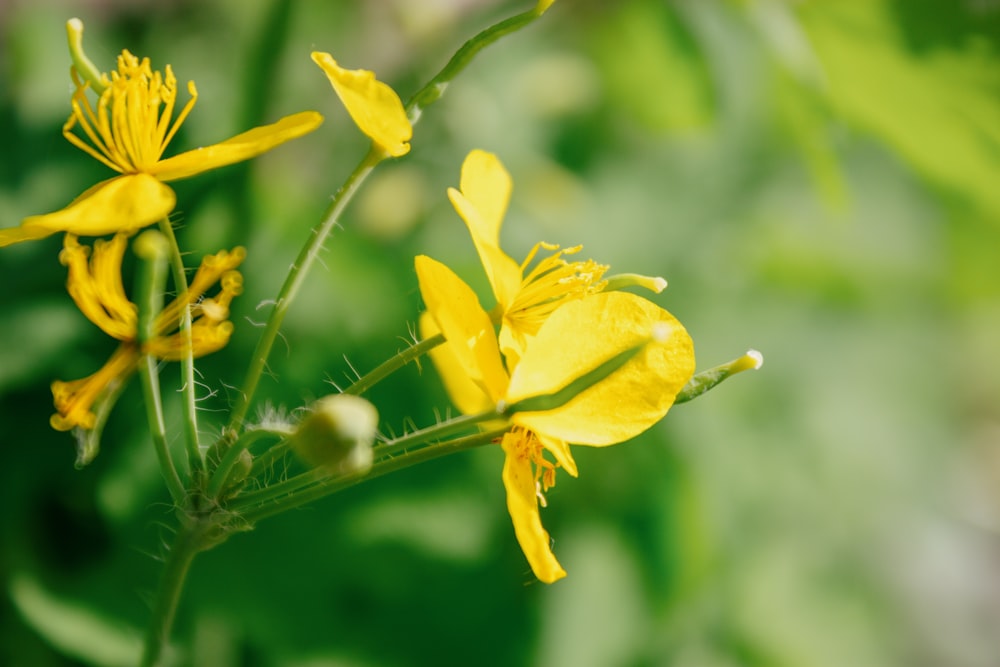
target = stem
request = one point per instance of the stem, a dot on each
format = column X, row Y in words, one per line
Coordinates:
column 332, row 485
column 269, row 457
column 435, row 88
column 393, row 364
column 151, row 248
column 221, row 474
column 390, row 447
column 186, row 546
column 158, row 429
column 296, row 276
column 195, row 459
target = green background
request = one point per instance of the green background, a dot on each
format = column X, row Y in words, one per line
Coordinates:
column 818, row 180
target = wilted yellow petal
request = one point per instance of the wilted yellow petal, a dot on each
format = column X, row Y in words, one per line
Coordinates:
column 121, row 204
column 465, row 394
column 465, row 325
column 237, row 149
column 579, row 337
column 74, row 400
column 522, row 503
column 373, row 105
column 96, row 285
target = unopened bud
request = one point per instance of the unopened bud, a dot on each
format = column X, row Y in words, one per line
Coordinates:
column 338, row 434
column 238, row 473
column 706, row 380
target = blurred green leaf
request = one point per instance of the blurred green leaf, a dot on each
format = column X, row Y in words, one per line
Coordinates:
column 76, row 629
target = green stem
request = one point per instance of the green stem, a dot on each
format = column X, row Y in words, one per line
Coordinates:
column 436, row 87
column 296, row 276
column 420, row 436
column 151, row 248
column 158, row 428
column 331, row 485
column 195, row 459
column 217, row 483
column 393, row 364
column 268, row 458
column 186, row 546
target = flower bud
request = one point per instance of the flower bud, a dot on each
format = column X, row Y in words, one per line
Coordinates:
column 337, row 434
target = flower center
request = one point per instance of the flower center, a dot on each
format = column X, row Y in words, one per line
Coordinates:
column 131, row 126
column 552, row 282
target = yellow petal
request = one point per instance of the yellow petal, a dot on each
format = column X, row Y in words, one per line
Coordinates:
column 465, row 325
column 465, row 394
column 502, row 271
column 96, row 286
column 522, row 503
column 375, row 107
column 237, row 149
column 583, row 334
column 74, row 400
column 121, row 204
column 487, row 185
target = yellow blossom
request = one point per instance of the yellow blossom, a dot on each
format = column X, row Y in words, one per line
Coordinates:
column 95, row 285
column 526, row 295
column 575, row 339
column 375, row 107
column 128, row 131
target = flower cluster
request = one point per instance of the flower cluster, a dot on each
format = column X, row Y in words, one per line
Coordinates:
column 567, row 355
column 624, row 358
column 128, row 128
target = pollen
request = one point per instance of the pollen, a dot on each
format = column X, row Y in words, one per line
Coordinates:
column 134, row 118
column 550, row 283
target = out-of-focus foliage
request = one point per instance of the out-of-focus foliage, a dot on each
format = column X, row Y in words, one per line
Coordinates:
column 815, row 179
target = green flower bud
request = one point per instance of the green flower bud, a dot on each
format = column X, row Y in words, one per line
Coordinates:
column 238, row 474
column 337, row 434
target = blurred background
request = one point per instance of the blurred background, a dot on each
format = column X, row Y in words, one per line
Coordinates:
column 816, row 179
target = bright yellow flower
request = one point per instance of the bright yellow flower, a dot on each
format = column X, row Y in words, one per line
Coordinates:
column 375, row 107
column 525, row 296
column 128, row 131
column 96, row 287
column 575, row 339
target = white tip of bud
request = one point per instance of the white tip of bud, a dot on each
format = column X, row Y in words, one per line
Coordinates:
column 661, row 332
column 659, row 284
column 75, row 25
column 757, row 357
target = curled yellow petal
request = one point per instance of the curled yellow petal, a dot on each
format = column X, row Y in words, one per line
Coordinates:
column 96, row 285
column 465, row 325
column 74, row 400
column 522, row 503
column 375, row 107
column 579, row 337
column 121, row 204
column 236, row 149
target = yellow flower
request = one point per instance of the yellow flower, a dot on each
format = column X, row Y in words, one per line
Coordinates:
column 128, row 131
column 575, row 339
column 375, row 107
column 96, row 287
column 525, row 298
